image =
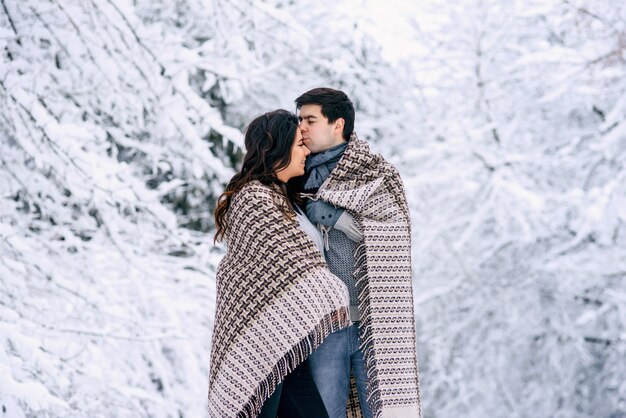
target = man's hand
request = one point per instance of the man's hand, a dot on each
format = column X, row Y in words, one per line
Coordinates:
column 348, row 226
column 320, row 212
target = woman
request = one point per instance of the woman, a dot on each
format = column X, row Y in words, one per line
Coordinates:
column 276, row 299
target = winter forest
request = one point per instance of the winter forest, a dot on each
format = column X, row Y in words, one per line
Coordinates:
column 121, row 121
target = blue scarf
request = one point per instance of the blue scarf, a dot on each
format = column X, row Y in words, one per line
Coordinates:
column 318, row 166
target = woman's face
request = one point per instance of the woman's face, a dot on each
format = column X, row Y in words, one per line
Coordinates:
column 299, row 152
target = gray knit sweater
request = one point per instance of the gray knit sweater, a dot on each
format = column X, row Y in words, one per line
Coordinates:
column 339, row 252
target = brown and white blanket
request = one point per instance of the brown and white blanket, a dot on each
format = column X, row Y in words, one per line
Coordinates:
column 276, row 302
column 372, row 190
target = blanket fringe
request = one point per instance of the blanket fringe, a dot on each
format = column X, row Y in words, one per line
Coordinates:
column 332, row 322
column 365, row 329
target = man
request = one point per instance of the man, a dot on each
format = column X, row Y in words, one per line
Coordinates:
column 357, row 200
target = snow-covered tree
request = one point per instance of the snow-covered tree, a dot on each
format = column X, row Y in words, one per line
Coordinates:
column 105, row 300
column 518, row 196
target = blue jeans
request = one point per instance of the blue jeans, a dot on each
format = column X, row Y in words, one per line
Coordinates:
column 331, row 365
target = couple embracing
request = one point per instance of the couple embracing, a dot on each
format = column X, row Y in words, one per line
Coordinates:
column 314, row 312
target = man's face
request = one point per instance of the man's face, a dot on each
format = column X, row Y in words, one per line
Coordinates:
column 319, row 135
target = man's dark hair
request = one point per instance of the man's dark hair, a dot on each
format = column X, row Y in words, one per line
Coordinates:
column 335, row 104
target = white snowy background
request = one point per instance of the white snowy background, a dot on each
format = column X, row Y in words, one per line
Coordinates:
column 120, row 122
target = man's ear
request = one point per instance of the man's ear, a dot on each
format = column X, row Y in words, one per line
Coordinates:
column 338, row 126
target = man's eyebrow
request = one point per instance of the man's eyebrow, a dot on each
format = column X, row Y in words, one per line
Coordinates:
column 307, row 117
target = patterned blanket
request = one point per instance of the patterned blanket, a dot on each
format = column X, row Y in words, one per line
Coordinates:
column 276, row 302
column 371, row 189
